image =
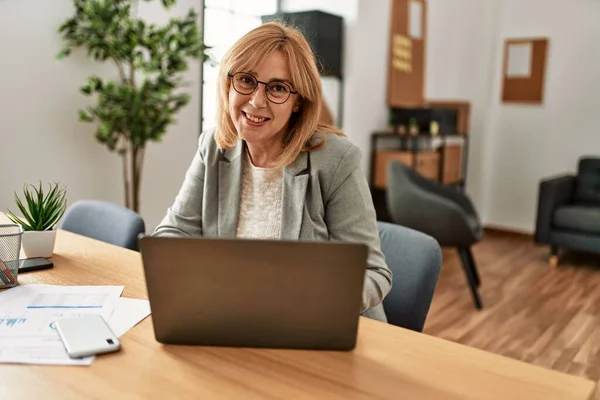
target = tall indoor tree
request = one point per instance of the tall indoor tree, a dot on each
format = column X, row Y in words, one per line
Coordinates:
column 141, row 102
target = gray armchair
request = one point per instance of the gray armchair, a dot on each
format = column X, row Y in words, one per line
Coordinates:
column 415, row 260
column 105, row 221
column 568, row 212
column 438, row 211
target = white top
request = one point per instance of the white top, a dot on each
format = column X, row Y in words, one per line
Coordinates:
column 260, row 201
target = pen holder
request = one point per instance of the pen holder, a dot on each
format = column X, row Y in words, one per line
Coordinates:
column 10, row 250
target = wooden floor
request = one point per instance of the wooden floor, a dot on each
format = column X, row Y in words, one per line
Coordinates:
column 545, row 316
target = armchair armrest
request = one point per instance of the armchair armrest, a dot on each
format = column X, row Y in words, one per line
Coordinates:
column 553, row 193
column 449, row 193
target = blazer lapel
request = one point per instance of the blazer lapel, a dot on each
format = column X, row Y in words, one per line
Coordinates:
column 295, row 182
column 230, row 178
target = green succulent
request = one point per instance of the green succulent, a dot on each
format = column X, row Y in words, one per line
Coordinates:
column 41, row 210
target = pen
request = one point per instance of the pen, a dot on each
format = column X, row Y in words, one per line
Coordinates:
column 7, row 276
column 3, row 276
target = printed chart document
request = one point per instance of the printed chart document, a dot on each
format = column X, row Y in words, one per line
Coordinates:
column 28, row 312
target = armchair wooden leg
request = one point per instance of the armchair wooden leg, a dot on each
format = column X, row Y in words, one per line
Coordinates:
column 470, row 271
column 553, row 261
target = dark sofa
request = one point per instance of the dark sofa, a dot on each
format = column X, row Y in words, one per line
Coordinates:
column 568, row 214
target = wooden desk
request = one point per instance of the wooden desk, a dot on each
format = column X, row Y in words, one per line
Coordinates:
column 388, row 363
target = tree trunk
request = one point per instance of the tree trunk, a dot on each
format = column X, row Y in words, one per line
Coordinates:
column 133, row 160
column 134, row 183
column 126, row 180
column 137, row 161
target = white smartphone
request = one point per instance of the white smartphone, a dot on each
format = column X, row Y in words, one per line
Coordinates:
column 86, row 335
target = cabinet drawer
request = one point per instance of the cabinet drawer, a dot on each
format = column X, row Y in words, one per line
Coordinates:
column 428, row 165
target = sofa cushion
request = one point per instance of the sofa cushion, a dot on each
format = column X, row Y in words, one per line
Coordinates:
column 578, row 218
column 587, row 187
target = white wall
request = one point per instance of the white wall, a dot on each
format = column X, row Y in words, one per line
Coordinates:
column 40, row 138
column 513, row 147
column 460, row 55
column 528, row 143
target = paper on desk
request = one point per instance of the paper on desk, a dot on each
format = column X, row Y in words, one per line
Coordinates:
column 27, row 313
column 129, row 313
column 60, row 301
column 32, row 339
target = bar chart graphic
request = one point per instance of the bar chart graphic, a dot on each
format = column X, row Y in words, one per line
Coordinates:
column 9, row 321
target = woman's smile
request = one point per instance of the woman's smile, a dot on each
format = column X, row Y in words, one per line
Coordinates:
column 255, row 119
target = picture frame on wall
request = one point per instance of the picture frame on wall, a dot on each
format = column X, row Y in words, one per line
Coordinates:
column 524, row 70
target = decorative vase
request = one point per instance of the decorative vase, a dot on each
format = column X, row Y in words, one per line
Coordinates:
column 435, row 128
column 38, row 243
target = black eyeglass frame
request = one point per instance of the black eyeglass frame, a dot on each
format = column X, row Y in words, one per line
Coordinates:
column 230, row 75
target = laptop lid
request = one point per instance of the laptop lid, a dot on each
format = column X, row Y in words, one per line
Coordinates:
column 254, row 293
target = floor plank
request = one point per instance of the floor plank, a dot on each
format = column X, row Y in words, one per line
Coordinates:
column 532, row 312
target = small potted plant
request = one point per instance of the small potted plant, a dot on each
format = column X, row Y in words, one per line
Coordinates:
column 413, row 127
column 40, row 213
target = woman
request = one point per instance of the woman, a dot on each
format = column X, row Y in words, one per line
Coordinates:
column 269, row 170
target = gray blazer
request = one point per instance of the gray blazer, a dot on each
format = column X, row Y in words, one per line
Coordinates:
column 325, row 197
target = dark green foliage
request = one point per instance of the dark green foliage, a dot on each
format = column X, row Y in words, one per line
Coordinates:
column 140, row 105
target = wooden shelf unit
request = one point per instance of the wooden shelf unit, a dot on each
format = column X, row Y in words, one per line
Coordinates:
column 443, row 163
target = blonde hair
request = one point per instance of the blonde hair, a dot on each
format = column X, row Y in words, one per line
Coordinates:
column 247, row 53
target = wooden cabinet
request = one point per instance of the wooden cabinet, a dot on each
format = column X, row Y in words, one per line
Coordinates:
column 443, row 162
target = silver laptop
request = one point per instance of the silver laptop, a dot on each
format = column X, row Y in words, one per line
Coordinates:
column 254, row 293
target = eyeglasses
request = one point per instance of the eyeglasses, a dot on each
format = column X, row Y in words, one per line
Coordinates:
column 277, row 92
